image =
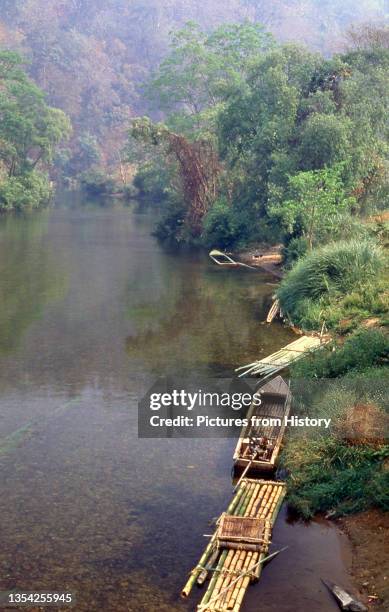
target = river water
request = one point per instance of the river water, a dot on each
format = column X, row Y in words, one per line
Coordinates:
column 91, row 310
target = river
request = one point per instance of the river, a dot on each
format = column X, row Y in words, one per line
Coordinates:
column 93, row 309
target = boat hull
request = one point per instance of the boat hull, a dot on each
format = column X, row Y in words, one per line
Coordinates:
column 275, row 405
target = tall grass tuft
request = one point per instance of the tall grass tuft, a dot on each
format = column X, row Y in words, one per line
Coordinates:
column 333, row 270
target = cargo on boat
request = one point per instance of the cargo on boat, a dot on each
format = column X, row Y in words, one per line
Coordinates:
column 260, row 441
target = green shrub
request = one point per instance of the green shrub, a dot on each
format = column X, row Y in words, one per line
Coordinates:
column 294, row 250
column 130, row 192
column 225, row 227
column 97, row 183
column 153, row 182
column 361, row 351
column 27, row 191
column 326, row 472
column 171, row 228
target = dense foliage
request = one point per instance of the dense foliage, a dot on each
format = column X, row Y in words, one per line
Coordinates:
column 362, row 350
column 30, row 130
column 92, row 56
column 302, row 139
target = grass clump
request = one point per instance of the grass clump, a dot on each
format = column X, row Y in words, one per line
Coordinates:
column 340, row 283
column 331, row 475
column 345, row 469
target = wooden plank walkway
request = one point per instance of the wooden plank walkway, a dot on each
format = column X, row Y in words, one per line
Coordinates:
column 234, row 555
column 269, row 366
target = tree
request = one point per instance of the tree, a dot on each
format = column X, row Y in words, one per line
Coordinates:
column 368, row 36
column 259, row 125
column 325, row 140
column 201, row 70
column 198, row 167
column 316, row 203
column 30, row 130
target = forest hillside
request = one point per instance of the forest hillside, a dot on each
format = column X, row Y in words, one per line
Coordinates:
column 93, row 56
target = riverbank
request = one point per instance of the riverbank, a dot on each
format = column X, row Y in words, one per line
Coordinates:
column 367, row 533
column 263, row 256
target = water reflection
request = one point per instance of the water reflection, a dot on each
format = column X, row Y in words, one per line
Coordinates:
column 212, row 319
column 29, row 277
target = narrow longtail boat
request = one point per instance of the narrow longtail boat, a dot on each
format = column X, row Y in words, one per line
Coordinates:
column 260, row 441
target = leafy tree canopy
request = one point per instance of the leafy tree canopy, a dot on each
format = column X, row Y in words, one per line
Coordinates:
column 202, row 70
column 30, row 130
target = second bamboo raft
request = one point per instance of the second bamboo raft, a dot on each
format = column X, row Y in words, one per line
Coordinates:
column 240, row 543
column 283, row 358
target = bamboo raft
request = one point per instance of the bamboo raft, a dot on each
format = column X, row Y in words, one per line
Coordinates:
column 259, row 445
column 282, row 359
column 237, row 550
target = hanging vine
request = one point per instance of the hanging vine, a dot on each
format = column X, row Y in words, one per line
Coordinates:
column 198, row 162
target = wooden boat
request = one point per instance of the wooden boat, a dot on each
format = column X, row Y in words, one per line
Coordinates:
column 259, row 444
column 344, row 599
column 222, row 259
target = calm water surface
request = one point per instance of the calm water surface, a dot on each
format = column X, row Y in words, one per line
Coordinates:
column 91, row 311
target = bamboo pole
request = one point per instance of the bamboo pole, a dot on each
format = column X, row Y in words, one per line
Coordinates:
column 225, row 577
column 243, row 499
column 238, row 581
column 248, row 466
column 236, row 499
column 278, row 507
column 252, row 500
column 208, row 594
column 246, row 566
column 266, row 508
column 239, row 565
column 255, row 559
column 258, row 502
column 210, row 562
column 247, row 500
column 195, row 572
column 279, row 495
column 256, row 498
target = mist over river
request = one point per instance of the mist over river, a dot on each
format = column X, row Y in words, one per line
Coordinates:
column 93, row 310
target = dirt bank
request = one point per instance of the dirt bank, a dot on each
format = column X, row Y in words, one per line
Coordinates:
column 369, row 536
column 263, row 256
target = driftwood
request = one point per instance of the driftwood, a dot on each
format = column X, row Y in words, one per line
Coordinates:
column 344, row 599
